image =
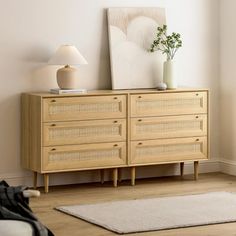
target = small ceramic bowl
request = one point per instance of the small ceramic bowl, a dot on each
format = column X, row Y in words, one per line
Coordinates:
column 161, row 86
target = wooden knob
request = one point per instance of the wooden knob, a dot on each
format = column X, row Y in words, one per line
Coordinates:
column 139, row 96
column 53, row 100
column 197, row 117
column 197, row 139
column 53, row 149
column 115, row 145
column 197, row 94
column 140, row 143
column 53, row 124
column 115, row 121
column 115, row 98
column 140, row 120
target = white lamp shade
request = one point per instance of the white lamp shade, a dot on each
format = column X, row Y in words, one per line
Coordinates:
column 67, row 55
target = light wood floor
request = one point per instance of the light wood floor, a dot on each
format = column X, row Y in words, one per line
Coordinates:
column 62, row 224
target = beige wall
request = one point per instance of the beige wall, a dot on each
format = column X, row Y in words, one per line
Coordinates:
column 31, row 31
column 228, row 85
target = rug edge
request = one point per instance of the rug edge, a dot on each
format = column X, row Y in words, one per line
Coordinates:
column 89, row 220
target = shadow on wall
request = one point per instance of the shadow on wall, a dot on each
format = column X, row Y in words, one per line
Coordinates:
column 38, row 54
column 228, row 139
column 10, row 132
column 44, row 78
column 43, row 75
column 104, row 59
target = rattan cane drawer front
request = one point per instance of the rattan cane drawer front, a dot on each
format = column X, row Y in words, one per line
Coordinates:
column 84, row 108
column 80, row 132
column 168, row 104
column 168, row 150
column 88, row 156
column 168, row 127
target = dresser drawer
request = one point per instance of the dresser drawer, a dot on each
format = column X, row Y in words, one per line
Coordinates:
column 77, row 157
column 84, row 108
column 79, row 132
column 168, row 150
column 168, row 127
column 168, row 104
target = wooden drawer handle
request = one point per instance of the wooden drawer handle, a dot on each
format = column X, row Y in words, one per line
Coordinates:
column 115, row 145
column 197, row 117
column 140, row 120
column 53, row 100
column 115, row 121
column 115, row 98
column 53, row 149
column 53, row 124
column 140, row 143
column 197, row 139
column 197, row 94
column 139, row 96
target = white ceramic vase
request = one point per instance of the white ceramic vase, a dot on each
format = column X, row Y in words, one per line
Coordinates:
column 169, row 74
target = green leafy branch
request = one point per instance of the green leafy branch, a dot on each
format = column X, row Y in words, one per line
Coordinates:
column 167, row 44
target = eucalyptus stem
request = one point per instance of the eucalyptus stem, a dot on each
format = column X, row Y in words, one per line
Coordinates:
column 167, row 44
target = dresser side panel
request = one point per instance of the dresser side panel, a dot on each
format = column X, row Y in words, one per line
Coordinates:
column 208, row 125
column 35, row 119
column 25, row 131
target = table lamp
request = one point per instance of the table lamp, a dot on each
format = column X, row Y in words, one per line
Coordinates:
column 67, row 55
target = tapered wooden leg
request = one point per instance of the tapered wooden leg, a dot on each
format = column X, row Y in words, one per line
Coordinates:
column 46, row 182
column 120, row 175
column 196, row 164
column 115, row 175
column 35, row 179
column 102, row 176
column 181, row 169
column 132, row 176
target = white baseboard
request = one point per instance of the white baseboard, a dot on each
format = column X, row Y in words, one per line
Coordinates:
column 25, row 177
column 228, row 166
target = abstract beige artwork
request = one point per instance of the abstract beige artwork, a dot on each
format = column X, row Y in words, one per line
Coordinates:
column 131, row 32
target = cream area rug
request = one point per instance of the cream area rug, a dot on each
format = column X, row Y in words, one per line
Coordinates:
column 158, row 213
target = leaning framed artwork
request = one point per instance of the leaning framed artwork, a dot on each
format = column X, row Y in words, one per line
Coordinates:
column 131, row 32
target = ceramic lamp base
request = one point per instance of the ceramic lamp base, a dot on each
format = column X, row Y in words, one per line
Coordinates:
column 67, row 77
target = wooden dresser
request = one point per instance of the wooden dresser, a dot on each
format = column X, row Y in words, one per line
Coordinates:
column 113, row 129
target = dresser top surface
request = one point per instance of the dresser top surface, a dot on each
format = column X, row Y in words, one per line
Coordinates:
column 116, row 92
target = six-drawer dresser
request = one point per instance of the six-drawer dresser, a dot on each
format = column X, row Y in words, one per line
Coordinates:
column 108, row 129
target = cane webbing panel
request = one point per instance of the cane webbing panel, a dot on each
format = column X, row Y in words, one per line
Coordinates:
column 168, row 104
column 89, row 107
column 77, row 132
column 174, row 126
column 84, row 155
column 171, row 149
column 84, row 108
